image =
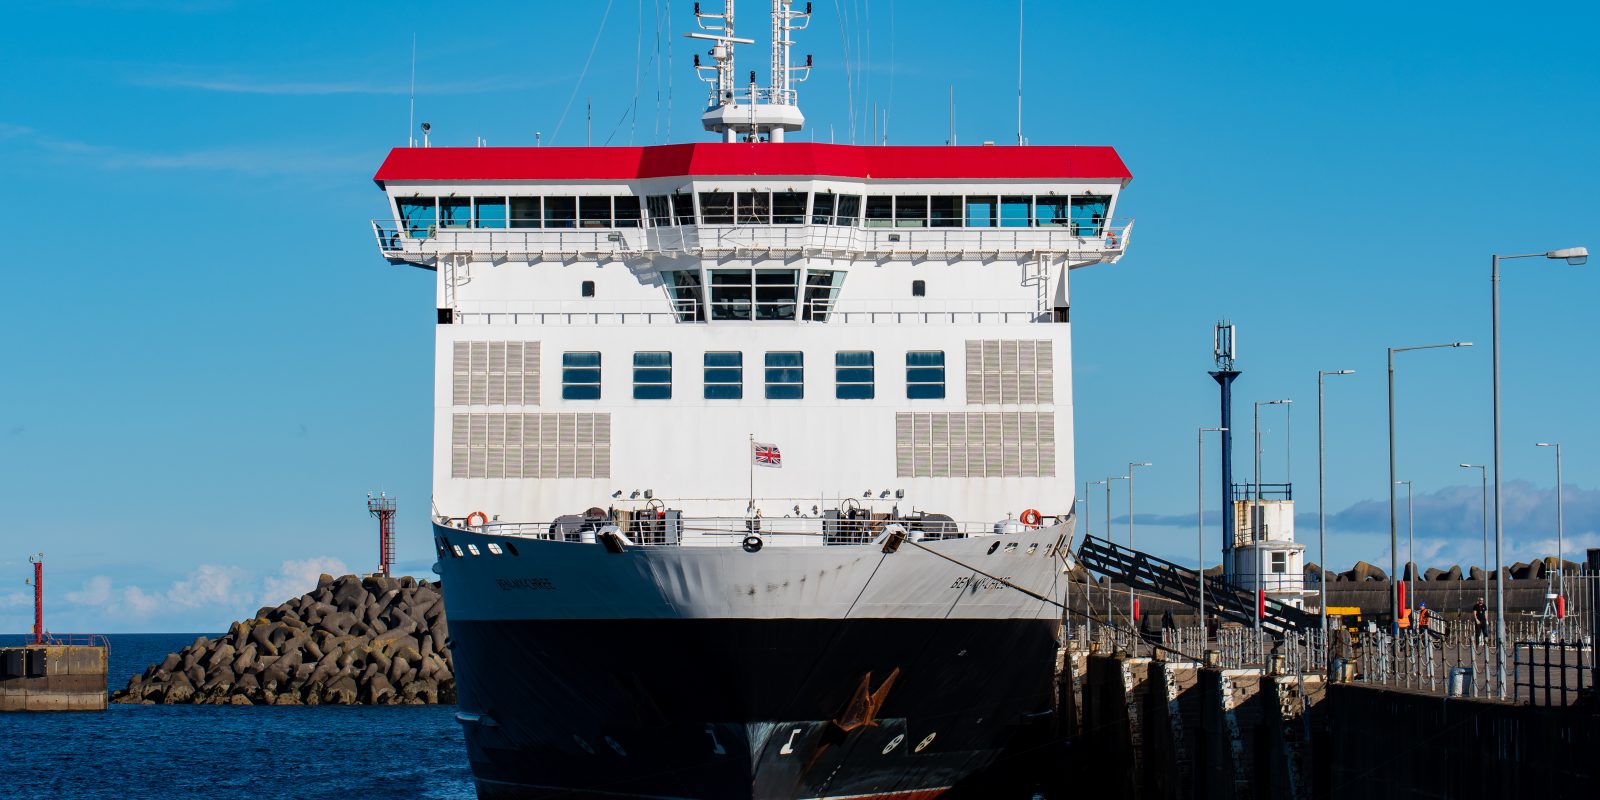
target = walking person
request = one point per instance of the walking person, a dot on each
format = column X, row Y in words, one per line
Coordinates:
column 1480, row 615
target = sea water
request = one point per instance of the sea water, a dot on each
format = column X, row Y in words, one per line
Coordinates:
column 139, row 752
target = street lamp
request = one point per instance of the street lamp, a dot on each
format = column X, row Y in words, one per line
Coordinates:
column 1107, row 482
column 1131, row 617
column 1574, row 256
column 1394, row 546
column 1200, row 519
column 1322, row 513
column 1411, row 554
column 1561, row 582
column 1483, row 475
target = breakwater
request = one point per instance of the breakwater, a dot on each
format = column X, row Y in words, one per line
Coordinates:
column 351, row 641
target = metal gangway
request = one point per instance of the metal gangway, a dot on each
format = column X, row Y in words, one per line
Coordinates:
column 1147, row 573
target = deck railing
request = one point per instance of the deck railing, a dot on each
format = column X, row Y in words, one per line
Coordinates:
column 804, row 531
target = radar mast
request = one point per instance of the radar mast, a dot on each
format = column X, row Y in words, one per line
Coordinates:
column 752, row 113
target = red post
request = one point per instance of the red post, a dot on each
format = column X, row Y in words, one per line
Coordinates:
column 383, row 507
column 38, row 598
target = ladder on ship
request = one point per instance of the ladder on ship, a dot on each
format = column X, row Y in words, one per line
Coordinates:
column 1180, row 584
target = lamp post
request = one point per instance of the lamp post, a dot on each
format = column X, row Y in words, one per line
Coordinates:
column 1394, row 546
column 1411, row 558
column 1561, row 582
column 1200, row 519
column 1131, row 601
column 1574, row 256
column 1322, row 513
column 1483, row 475
column 1107, row 482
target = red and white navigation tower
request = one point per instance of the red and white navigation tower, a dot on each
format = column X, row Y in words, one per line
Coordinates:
column 383, row 507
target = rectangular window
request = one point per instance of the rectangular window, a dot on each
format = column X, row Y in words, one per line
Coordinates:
column 925, row 375
column 788, row 208
column 455, row 212
column 525, row 212
column 652, row 376
column 853, row 375
column 660, row 208
column 626, row 211
column 1051, row 212
column 1016, row 212
column 688, row 296
column 730, row 294
column 418, row 215
column 786, row 373
column 561, row 212
column 944, row 212
column 1089, row 214
column 1280, row 562
column 981, row 211
column 594, row 212
column 755, row 208
column 776, row 293
column 489, row 212
column 880, row 211
column 911, row 212
column 580, row 376
column 849, row 213
column 716, row 208
column 683, row 208
column 822, row 209
column 822, row 289
column 725, row 376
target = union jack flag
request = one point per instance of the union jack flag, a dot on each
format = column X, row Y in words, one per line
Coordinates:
column 766, row 455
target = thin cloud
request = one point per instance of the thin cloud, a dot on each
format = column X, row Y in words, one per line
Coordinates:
column 249, row 160
column 315, row 88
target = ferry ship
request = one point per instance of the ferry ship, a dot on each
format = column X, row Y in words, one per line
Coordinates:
column 752, row 457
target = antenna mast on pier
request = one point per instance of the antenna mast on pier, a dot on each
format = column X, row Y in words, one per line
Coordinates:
column 383, row 507
column 37, row 560
column 1224, row 351
column 765, row 114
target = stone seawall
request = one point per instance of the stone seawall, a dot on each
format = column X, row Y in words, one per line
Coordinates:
column 351, row 641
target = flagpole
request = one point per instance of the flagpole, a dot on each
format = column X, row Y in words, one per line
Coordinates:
column 751, row 508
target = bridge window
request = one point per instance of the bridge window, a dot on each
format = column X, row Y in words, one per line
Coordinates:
column 944, row 212
column 731, row 294
column 822, row 209
column 788, row 208
column 683, row 208
column 786, row 376
column 981, row 211
column 561, row 212
column 580, row 376
column 660, row 208
column 652, row 376
column 594, row 212
column 849, row 210
column 626, row 211
column 853, row 375
column 1089, row 214
column 1051, row 212
column 455, row 212
column 725, row 376
column 755, row 208
column 925, row 375
column 418, row 215
column 776, row 290
column 880, row 211
column 716, row 208
column 911, row 211
column 1016, row 211
column 687, row 295
column 822, row 290
column 525, row 212
column 489, row 212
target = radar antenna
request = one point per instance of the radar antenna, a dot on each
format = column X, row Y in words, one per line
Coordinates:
column 767, row 113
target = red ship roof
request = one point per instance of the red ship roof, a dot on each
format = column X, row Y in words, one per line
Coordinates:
column 742, row 159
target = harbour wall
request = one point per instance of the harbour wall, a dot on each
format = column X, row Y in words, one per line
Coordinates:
column 52, row 678
column 1148, row 728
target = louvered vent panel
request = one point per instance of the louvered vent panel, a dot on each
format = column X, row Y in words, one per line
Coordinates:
column 459, row 425
column 460, row 373
column 974, row 372
column 902, row 445
column 1047, row 445
column 513, row 373
column 1047, row 373
column 497, row 446
column 584, row 462
column 1027, row 386
column 602, row 460
column 478, row 393
column 530, row 373
column 567, row 462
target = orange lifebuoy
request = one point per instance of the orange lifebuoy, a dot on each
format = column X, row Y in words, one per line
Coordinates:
column 1032, row 518
column 480, row 515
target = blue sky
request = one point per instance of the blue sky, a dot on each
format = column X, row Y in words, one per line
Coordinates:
column 209, row 366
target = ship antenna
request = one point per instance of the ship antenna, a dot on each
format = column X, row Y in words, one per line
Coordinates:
column 1019, row 73
column 411, row 110
column 772, row 111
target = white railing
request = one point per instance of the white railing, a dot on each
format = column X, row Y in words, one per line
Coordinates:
column 852, row 312
column 424, row 245
column 733, row 531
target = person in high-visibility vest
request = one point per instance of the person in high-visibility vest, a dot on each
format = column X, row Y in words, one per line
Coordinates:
column 1422, row 617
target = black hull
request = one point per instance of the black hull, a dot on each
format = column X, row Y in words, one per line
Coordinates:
column 725, row 708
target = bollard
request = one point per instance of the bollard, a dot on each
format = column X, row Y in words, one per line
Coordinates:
column 1460, row 682
column 1213, row 658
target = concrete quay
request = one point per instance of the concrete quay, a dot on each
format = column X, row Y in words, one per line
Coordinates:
column 53, row 677
column 1152, row 728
